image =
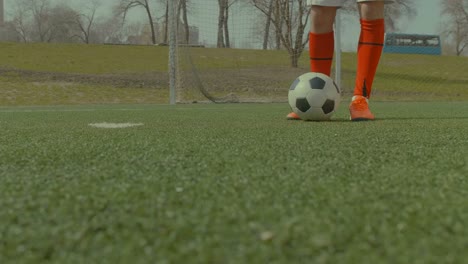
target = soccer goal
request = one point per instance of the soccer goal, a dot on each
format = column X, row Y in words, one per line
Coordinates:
column 226, row 52
column 229, row 51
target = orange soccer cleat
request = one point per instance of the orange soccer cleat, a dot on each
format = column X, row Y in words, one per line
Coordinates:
column 292, row 116
column 359, row 109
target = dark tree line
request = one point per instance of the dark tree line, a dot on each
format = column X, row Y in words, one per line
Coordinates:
column 281, row 23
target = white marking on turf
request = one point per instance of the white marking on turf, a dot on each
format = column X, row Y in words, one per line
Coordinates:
column 185, row 108
column 114, row 125
column 44, row 110
column 103, row 109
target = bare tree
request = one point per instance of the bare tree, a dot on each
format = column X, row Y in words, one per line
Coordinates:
column 62, row 23
column 44, row 21
column 268, row 24
column 110, row 30
column 20, row 23
column 290, row 19
column 182, row 19
column 182, row 12
column 295, row 21
column 270, row 9
column 223, row 23
column 41, row 15
column 124, row 6
column 223, row 8
column 166, row 22
column 393, row 12
column 85, row 21
column 397, row 10
column 38, row 20
column 137, row 33
column 457, row 26
column 279, row 21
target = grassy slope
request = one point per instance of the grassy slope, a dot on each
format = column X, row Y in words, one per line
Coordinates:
column 76, row 58
column 233, row 184
column 20, row 92
column 401, row 77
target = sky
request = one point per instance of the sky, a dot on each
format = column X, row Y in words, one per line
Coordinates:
column 426, row 21
column 204, row 15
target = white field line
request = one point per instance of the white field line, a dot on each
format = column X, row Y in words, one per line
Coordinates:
column 63, row 110
column 114, row 125
column 114, row 109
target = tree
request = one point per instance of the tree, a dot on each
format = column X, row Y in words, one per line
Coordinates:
column 393, row 12
column 20, row 23
column 457, row 27
column 41, row 15
column 182, row 12
column 85, row 21
column 223, row 12
column 268, row 14
column 223, row 23
column 270, row 9
column 295, row 21
column 39, row 20
column 124, row 6
column 110, row 30
column 397, row 10
column 62, row 23
column 290, row 18
column 166, row 22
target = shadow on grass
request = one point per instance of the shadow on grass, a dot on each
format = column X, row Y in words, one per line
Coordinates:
column 333, row 120
column 420, row 78
column 423, row 118
column 346, row 120
column 415, row 78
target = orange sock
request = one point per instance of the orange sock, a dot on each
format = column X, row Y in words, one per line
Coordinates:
column 370, row 48
column 321, row 47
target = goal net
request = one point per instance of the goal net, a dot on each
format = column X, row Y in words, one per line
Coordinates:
column 231, row 53
column 249, row 51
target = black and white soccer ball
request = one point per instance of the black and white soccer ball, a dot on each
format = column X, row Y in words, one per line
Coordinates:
column 314, row 96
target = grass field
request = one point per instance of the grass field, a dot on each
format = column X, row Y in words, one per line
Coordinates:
column 226, row 183
column 233, row 184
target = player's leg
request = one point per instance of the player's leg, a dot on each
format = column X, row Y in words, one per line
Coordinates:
column 370, row 47
column 321, row 37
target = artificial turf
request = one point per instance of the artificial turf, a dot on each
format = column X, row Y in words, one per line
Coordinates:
column 233, row 184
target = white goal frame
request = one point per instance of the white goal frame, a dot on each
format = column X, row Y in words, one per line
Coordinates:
column 338, row 48
column 172, row 27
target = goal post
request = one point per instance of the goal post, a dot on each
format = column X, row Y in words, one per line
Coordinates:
column 172, row 51
column 338, row 48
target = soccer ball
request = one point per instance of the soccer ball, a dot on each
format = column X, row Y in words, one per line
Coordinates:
column 314, row 96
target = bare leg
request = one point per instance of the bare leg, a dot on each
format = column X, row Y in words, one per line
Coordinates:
column 321, row 38
column 322, row 19
column 371, row 10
